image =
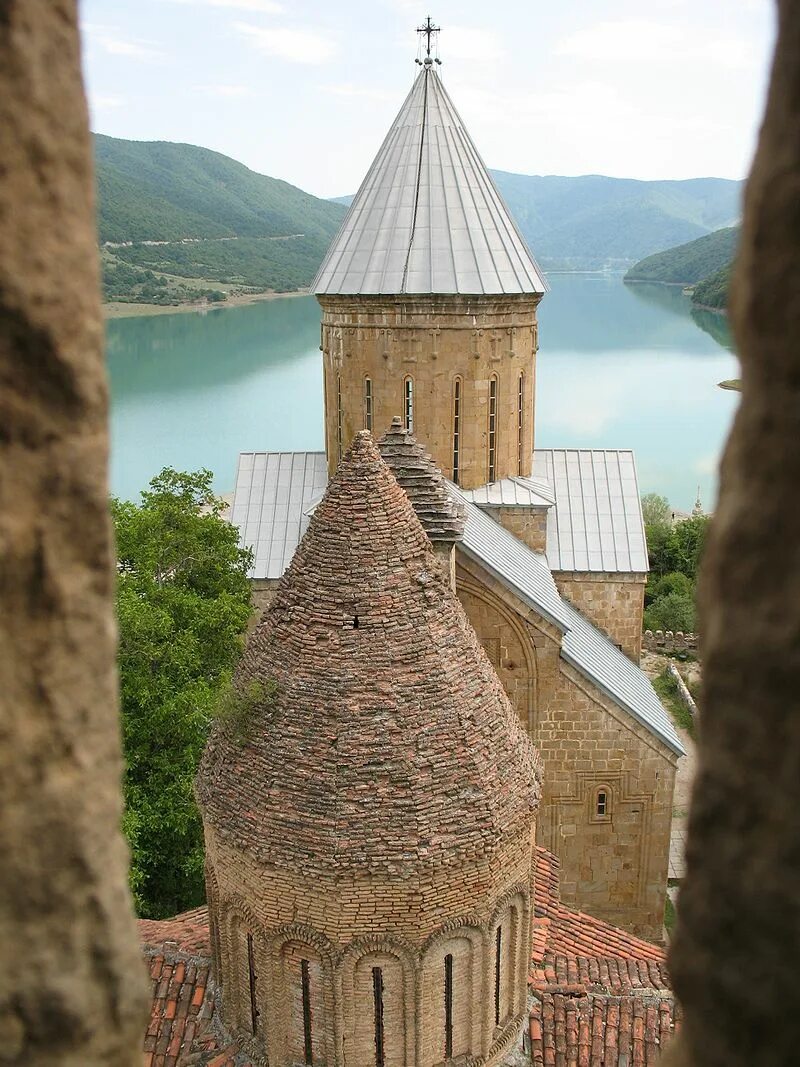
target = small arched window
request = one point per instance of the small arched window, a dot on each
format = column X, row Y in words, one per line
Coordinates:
column 377, row 1000
column 339, row 414
column 448, row 1007
column 602, row 804
column 408, row 404
column 253, row 978
column 305, row 990
column 520, row 420
column 492, row 457
column 457, row 387
column 368, row 404
column 498, row 958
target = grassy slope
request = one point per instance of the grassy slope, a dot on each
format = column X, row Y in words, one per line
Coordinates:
column 247, row 229
column 689, row 263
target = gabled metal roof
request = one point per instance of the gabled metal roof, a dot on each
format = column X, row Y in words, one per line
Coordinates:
column 516, row 492
column 276, row 493
column 596, row 524
column 428, row 218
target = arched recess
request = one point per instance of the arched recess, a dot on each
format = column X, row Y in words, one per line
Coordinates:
column 378, row 984
column 452, row 995
column 508, row 646
column 303, row 996
column 212, row 902
column 245, row 970
column 509, row 945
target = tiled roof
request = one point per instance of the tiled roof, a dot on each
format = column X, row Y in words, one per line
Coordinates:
column 275, row 494
column 425, row 487
column 596, row 524
column 385, row 704
column 601, row 996
column 428, row 218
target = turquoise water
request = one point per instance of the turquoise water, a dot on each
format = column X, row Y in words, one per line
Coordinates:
column 618, row 367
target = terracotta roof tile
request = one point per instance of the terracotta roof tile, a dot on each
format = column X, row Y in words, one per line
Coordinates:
column 188, row 932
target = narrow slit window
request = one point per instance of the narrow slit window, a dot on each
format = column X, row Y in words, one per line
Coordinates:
column 498, row 949
column 492, row 428
column 377, row 997
column 448, row 1007
column 520, row 420
column 601, row 807
column 368, row 404
column 408, row 404
column 456, row 429
column 305, row 982
column 339, row 414
column 251, row 968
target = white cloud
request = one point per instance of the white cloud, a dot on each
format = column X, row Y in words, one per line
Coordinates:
column 463, row 42
column 266, row 7
column 224, row 91
column 111, row 41
column 296, row 46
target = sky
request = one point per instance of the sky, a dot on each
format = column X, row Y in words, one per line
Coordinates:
column 305, row 90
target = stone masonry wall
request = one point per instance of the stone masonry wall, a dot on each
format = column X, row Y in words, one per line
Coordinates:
column 344, row 928
column 613, row 602
column 528, row 524
column 433, row 340
column 614, row 866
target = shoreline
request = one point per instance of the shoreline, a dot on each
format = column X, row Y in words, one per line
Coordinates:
column 120, row 309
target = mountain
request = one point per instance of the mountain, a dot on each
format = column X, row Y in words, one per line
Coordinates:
column 688, row 263
column 175, row 211
column 595, row 223
column 712, row 292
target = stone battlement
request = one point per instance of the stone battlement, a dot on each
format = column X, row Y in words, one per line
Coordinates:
column 667, row 641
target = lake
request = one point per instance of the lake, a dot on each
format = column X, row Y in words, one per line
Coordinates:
column 618, row 367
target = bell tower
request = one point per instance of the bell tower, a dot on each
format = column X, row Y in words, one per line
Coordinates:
column 429, row 297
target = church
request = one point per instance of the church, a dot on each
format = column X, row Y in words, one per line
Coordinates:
column 429, row 338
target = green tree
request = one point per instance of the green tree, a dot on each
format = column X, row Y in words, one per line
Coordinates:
column 675, row 611
column 183, row 602
column 656, row 510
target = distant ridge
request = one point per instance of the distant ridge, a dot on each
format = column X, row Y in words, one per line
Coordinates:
column 705, row 264
column 594, row 222
column 180, row 223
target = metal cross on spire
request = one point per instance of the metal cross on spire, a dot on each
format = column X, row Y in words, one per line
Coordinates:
column 428, row 30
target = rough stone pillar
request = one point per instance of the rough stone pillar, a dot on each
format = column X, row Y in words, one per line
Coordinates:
column 734, row 961
column 71, row 976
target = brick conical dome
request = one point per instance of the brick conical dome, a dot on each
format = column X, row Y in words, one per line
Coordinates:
column 390, row 743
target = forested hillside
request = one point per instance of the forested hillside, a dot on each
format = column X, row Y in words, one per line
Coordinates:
column 179, row 222
column 689, row 263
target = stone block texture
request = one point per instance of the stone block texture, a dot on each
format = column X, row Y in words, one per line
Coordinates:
column 613, row 602
column 614, row 863
column 432, row 343
column 72, row 985
column 370, row 829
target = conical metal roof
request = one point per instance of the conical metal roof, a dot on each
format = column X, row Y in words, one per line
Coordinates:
column 428, row 218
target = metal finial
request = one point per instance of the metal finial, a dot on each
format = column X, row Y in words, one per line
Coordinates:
column 429, row 31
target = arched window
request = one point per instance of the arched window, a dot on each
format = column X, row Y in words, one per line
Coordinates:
column 339, row 414
column 368, row 404
column 492, row 428
column 305, row 989
column 498, row 959
column 602, row 804
column 520, row 419
column 251, row 970
column 457, row 386
column 448, row 1006
column 408, row 404
column 377, row 998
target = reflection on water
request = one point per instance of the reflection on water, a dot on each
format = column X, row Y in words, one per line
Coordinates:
column 619, row 367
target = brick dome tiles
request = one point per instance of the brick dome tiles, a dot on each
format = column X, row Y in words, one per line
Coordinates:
column 390, row 744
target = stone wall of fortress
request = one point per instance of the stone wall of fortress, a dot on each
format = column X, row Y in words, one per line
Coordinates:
column 613, row 602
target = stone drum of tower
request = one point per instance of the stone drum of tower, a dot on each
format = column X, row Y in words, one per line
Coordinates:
column 370, row 818
column 429, row 296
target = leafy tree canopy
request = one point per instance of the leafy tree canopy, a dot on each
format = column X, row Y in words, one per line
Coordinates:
column 656, row 510
column 183, row 602
column 674, row 550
